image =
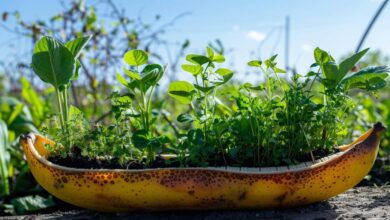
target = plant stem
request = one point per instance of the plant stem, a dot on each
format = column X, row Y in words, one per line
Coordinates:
column 59, row 102
column 205, row 102
column 269, row 89
column 65, row 107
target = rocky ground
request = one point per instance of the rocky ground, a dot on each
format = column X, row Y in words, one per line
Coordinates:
column 357, row 203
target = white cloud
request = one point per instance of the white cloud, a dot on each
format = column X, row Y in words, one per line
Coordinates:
column 255, row 35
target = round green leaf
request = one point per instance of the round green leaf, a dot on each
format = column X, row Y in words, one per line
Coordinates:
column 182, row 91
column 193, row 69
column 135, row 57
column 255, row 63
column 197, row 59
column 53, row 62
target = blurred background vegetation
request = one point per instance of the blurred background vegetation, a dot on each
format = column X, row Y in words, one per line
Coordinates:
column 25, row 103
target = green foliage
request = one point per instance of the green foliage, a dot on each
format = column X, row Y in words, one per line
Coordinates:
column 53, row 62
column 29, row 204
column 277, row 121
column 141, row 85
column 57, row 64
column 39, row 106
column 4, row 159
column 202, row 98
column 135, row 57
column 369, row 79
column 182, row 91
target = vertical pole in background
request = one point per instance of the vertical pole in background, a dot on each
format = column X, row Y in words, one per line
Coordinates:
column 287, row 43
column 380, row 9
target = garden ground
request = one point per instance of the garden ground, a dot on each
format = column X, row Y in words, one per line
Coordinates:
column 357, row 203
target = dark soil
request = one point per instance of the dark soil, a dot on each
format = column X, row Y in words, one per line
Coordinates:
column 76, row 160
column 357, row 203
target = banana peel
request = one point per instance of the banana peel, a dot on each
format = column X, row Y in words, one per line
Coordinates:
column 204, row 188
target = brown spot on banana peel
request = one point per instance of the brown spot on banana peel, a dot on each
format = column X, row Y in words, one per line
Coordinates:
column 281, row 198
column 213, row 189
column 242, row 196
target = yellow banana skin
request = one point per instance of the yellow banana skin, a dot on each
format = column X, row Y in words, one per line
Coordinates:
column 204, row 188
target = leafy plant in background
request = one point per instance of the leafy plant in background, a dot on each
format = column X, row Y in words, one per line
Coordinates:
column 337, row 84
column 4, row 159
column 114, row 33
column 16, row 182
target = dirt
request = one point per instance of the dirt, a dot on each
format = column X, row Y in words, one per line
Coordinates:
column 77, row 160
column 357, row 203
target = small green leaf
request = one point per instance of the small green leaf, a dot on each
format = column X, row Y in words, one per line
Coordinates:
column 311, row 73
column 249, row 86
column 193, row 69
column 224, row 71
column 330, row 70
column 322, row 57
column 197, row 59
column 31, row 203
column 347, row 64
column 226, row 74
column 135, row 57
column 76, row 73
column 182, row 91
column 74, row 112
column 210, row 53
column 255, row 63
column 185, row 117
column 270, row 63
column 278, row 70
column 122, row 80
column 273, row 58
column 140, row 139
column 204, row 89
column 151, row 74
column 218, row 58
column 77, row 45
column 132, row 75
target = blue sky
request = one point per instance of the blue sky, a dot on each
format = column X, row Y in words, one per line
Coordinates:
column 334, row 25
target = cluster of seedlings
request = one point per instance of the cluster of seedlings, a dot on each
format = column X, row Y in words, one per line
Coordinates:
column 278, row 121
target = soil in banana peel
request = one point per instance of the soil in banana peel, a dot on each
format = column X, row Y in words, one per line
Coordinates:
column 76, row 160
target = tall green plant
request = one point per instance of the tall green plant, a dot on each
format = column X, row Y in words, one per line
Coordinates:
column 57, row 64
column 201, row 96
column 141, row 84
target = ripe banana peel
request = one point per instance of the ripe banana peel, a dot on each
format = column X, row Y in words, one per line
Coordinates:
column 204, row 188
